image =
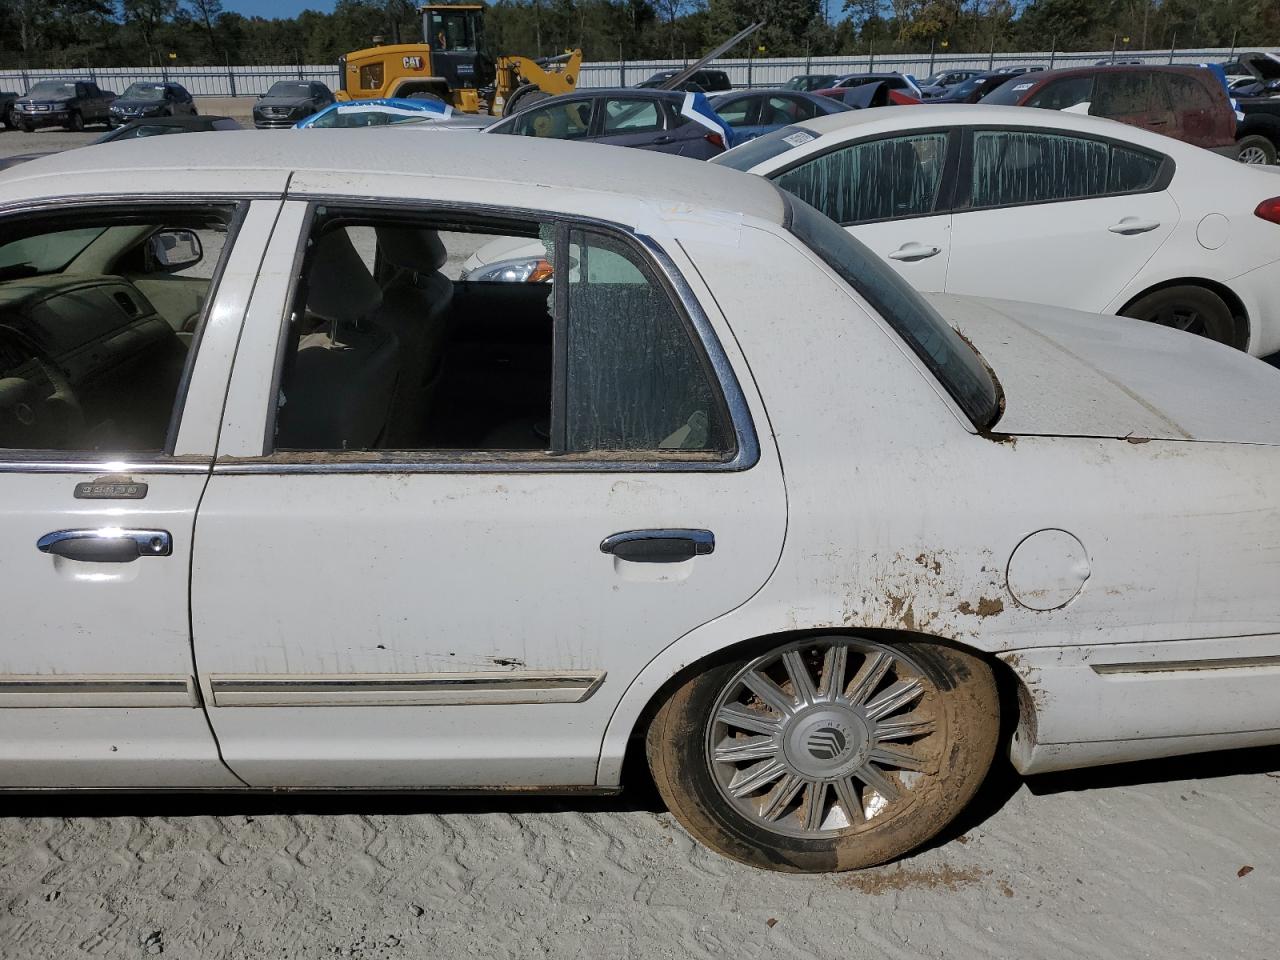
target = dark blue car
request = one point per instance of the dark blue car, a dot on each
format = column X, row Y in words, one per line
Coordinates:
column 755, row 112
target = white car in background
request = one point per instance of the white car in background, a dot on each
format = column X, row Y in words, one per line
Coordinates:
column 726, row 491
column 1048, row 207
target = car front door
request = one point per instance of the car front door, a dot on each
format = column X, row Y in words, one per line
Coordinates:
column 467, row 608
column 892, row 194
column 108, row 422
column 1056, row 218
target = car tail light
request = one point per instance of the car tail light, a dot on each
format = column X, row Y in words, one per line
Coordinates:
column 1269, row 210
column 715, row 139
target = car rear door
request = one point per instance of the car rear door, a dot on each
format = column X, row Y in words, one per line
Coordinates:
column 637, row 122
column 471, row 617
column 1053, row 217
column 1133, row 97
column 892, row 193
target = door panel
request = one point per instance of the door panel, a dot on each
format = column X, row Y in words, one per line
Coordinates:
column 97, row 680
column 918, row 248
column 423, row 622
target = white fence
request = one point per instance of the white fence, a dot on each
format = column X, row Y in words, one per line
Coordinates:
column 241, row 81
column 774, row 72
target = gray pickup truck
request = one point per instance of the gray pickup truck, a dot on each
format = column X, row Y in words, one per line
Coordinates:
column 73, row 104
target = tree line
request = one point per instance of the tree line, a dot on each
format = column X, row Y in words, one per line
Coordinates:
column 102, row 33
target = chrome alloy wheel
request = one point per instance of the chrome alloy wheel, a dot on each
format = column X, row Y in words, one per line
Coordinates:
column 822, row 736
column 1252, row 155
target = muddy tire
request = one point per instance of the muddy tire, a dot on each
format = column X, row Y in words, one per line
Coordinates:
column 1193, row 309
column 828, row 753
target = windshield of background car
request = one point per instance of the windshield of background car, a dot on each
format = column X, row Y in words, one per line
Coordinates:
column 772, row 144
column 52, row 89
column 956, row 365
column 46, row 252
column 285, row 89
column 144, row 91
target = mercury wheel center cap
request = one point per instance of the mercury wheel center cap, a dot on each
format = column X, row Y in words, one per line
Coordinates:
column 825, row 743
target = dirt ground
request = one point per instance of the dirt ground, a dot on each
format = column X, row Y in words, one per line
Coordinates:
column 1166, row 860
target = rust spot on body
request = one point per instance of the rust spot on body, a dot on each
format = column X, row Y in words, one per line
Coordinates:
column 987, row 607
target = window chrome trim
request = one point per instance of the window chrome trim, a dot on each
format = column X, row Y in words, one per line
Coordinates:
column 49, row 463
column 747, row 453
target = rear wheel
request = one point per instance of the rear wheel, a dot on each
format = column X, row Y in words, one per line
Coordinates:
column 1193, row 309
column 829, row 753
column 1255, row 149
column 76, row 123
column 524, row 97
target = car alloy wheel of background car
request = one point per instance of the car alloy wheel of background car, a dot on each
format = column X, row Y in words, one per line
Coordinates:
column 1256, row 149
column 828, row 753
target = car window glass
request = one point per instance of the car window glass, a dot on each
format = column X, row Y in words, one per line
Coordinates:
column 1122, row 94
column 421, row 335
column 97, row 316
column 873, row 180
column 1017, row 167
column 631, row 116
column 1061, row 94
column 1184, row 93
column 776, row 110
column 736, row 113
column 560, row 121
column 635, row 379
column 1132, row 171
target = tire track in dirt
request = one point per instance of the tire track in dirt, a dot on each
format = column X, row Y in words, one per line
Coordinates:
column 1118, row 871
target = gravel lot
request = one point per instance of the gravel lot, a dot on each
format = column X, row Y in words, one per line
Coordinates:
column 1170, row 859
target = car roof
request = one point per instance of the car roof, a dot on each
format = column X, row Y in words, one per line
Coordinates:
column 617, row 92
column 1040, row 76
column 858, row 123
column 544, row 164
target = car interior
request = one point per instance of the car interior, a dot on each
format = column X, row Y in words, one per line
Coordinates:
column 96, row 321
column 396, row 344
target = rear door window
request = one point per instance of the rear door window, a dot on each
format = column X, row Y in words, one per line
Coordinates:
column 739, row 113
column 631, row 116
column 1014, row 167
column 873, row 180
column 1124, row 94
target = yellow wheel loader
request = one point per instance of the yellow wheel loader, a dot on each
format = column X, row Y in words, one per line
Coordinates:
column 454, row 66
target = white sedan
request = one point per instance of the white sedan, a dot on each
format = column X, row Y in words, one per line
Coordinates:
column 281, row 515
column 1047, row 207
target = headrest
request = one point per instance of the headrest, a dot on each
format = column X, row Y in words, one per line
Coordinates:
column 412, row 249
column 340, row 287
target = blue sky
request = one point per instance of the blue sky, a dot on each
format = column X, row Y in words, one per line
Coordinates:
column 275, row 8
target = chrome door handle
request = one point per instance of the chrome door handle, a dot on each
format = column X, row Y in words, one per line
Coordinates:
column 1130, row 225
column 659, row 546
column 914, row 251
column 106, row 544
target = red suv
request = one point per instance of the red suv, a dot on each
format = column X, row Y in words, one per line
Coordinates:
column 1186, row 103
